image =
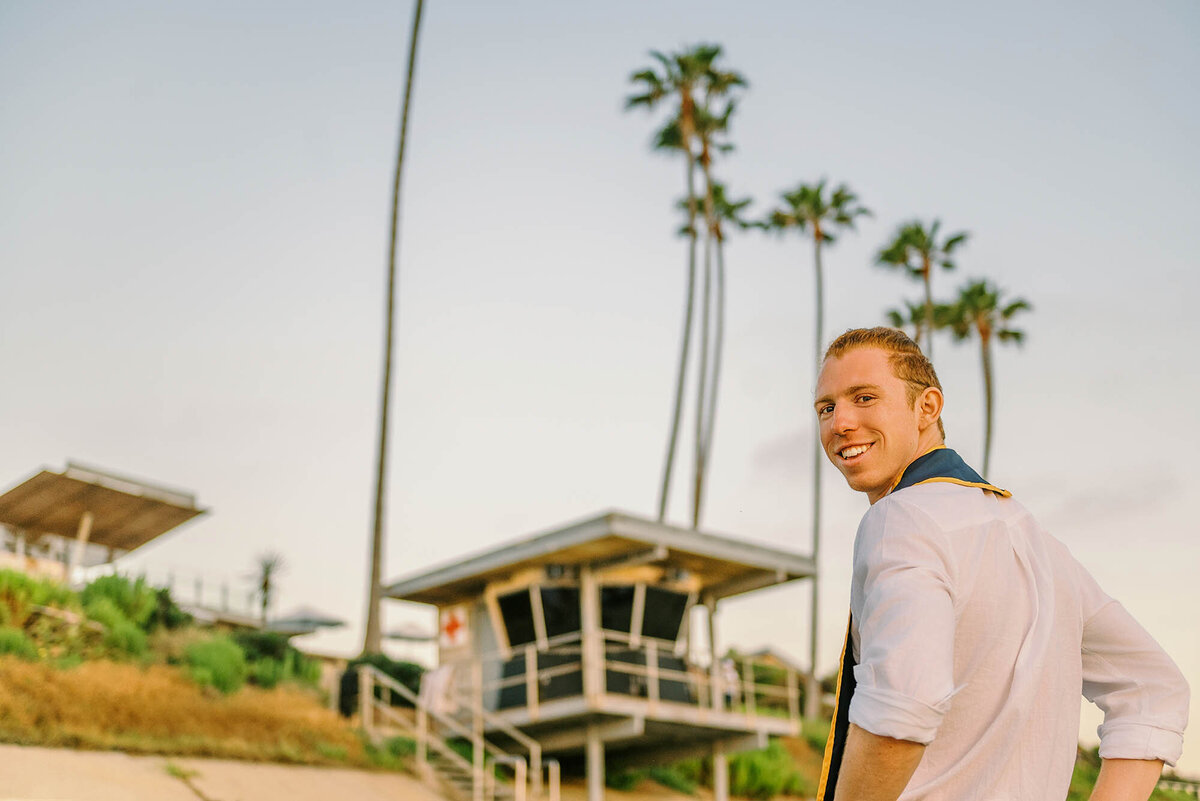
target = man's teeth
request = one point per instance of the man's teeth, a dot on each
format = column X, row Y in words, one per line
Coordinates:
column 850, row 453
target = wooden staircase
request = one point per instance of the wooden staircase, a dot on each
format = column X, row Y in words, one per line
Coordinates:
column 486, row 774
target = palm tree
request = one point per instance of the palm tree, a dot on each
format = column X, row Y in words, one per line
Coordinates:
column 373, row 639
column 979, row 310
column 711, row 128
column 913, row 314
column 917, row 249
column 690, row 79
column 725, row 211
column 270, row 565
column 811, row 210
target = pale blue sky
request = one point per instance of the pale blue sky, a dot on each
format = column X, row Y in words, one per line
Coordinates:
column 193, row 229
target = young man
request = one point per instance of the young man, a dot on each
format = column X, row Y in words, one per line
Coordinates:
column 971, row 629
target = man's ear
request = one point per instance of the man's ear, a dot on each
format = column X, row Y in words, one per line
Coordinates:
column 929, row 407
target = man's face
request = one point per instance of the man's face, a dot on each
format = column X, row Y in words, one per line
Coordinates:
column 869, row 430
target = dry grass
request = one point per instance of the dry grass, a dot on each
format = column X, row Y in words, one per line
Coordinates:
column 155, row 709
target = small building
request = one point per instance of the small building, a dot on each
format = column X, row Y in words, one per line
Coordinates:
column 580, row 640
column 81, row 517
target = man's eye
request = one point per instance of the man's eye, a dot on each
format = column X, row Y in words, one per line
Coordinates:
column 826, row 409
column 864, row 398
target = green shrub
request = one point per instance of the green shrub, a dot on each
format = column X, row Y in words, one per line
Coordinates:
column 670, row 776
column 127, row 639
column 105, row 611
column 1161, row 794
column 624, row 780
column 407, row 673
column 336, row 753
column 137, row 600
column 400, row 746
column 266, row 673
column 272, row 659
column 123, row 636
column 815, row 732
column 307, row 670
column 766, row 773
column 16, row 642
column 262, row 644
column 1084, row 775
column 166, row 613
column 217, row 662
column 20, row 593
column 697, row 771
column 68, row 661
column 389, row 754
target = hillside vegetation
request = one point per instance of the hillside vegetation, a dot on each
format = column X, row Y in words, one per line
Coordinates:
column 118, row 665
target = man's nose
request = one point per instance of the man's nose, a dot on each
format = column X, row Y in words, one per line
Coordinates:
column 844, row 419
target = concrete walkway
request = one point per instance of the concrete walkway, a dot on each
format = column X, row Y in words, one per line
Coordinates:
column 53, row 774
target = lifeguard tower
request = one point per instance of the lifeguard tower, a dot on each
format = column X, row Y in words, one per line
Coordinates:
column 575, row 644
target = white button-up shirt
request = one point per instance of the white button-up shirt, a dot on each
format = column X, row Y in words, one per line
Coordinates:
column 975, row 631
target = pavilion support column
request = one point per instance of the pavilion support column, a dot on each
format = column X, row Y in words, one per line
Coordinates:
column 594, row 764
column 592, row 644
column 81, row 541
column 714, row 666
column 720, row 772
column 21, row 544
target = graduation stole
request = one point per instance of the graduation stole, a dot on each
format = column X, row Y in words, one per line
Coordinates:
column 939, row 464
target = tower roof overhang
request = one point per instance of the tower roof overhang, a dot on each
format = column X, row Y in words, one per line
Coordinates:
column 126, row 513
column 723, row 565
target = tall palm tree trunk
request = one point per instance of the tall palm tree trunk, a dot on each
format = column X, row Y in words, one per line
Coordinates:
column 373, row 640
column 812, row 700
column 718, row 349
column 928, row 344
column 705, row 330
column 985, row 345
column 681, row 376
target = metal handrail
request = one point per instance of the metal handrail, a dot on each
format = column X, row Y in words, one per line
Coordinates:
column 555, row 643
column 519, row 777
column 479, row 745
column 710, row 686
column 409, row 695
column 477, row 740
column 1179, row 784
column 518, row 680
column 553, row 778
column 531, row 745
column 437, row 743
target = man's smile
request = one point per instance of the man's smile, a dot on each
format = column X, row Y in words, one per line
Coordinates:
column 852, row 451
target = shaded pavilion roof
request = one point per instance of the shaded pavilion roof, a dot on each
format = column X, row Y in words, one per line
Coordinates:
column 304, row 620
column 724, row 565
column 126, row 513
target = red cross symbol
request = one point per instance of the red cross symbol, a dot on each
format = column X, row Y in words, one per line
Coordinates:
column 452, row 626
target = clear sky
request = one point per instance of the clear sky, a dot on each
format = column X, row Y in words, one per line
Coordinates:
column 193, row 223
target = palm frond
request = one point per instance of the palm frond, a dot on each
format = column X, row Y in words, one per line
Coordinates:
column 954, row 241
column 1018, row 305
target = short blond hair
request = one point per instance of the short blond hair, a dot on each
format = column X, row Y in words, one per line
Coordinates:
column 908, row 362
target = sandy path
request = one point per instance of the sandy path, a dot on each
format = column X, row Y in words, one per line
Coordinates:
column 30, row 773
column 53, row 774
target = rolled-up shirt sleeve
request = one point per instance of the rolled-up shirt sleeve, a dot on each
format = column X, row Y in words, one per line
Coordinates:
column 902, row 607
column 1126, row 673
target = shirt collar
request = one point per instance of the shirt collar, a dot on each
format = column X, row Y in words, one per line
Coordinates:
column 942, row 464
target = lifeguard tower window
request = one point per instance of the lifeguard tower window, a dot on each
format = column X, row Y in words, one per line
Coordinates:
column 616, row 607
column 517, row 610
column 560, row 606
column 664, row 613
